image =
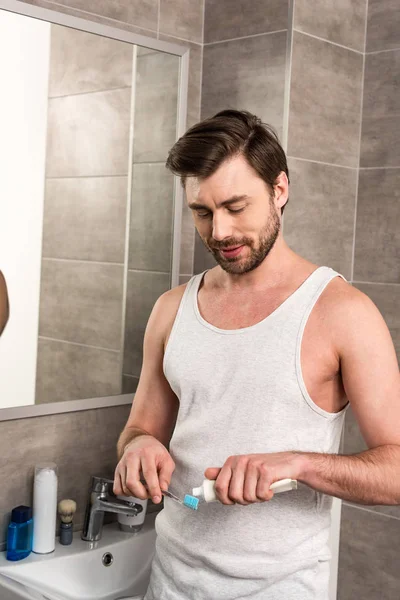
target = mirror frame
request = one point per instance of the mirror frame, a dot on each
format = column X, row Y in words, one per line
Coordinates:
column 58, row 18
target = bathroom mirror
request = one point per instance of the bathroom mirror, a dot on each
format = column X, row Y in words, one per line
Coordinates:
column 90, row 217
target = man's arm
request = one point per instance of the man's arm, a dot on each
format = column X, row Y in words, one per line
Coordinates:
column 4, row 306
column 142, row 444
column 371, row 380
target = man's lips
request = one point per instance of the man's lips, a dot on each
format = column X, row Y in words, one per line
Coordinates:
column 231, row 252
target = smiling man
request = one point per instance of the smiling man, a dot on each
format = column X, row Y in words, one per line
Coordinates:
column 247, row 373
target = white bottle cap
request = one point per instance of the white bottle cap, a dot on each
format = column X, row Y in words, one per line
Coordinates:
column 198, row 491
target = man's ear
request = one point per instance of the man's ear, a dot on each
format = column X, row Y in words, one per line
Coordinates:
column 281, row 190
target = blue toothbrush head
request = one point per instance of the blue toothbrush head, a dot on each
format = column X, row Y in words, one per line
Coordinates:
column 191, row 502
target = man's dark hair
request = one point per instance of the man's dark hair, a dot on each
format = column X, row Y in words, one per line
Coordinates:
column 206, row 145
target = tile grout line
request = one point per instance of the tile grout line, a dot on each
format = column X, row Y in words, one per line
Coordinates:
column 158, row 19
column 373, row 512
column 51, row 4
column 244, row 37
column 359, row 149
column 288, row 76
column 366, row 26
column 175, row 37
column 98, row 262
column 199, row 116
column 319, row 162
column 316, row 37
column 88, row 93
column 288, row 83
column 375, row 168
column 83, row 260
column 375, row 282
column 52, row 339
column 380, row 51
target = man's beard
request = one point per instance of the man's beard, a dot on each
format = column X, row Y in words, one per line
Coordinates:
column 238, row 266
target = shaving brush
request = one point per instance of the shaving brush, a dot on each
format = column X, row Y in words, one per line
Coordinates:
column 66, row 510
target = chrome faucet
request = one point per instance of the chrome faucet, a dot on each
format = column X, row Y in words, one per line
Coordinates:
column 102, row 499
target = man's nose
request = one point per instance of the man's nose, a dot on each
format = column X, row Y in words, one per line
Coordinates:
column 222, row 227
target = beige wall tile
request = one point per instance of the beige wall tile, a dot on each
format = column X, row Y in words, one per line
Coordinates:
column 142, row 13
column 182, row 19
column 71, row 372
column 187, row 240
column 85, row 218
column 342, row 22
column 368, row 556
column 194, row 83
column 144, row 288
column 95, row 18
column 325, row 102
column 377, row 249
column 383, row 31
column 88, row 134
column 381, row 111
column 319, row 219
column 225, row 19
column 246, row 74
column 151, row 227
column 184, row 279
column 81, row 302
column 156, row 100
column 82, row 62
column 129, row 384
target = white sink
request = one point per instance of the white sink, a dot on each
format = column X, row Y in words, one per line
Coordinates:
column 77, row 572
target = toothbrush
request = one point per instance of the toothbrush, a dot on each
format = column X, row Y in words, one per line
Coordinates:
column 188, row 501
column 207, row 493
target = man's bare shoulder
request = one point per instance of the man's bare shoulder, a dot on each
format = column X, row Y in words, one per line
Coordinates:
column 171, row 299
column 166, row 308
column 347, row 311
column 340, row 297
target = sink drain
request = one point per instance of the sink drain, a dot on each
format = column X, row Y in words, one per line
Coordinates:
column 107, row 559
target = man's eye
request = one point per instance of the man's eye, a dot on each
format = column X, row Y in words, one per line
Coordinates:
column 203, row 215
column 236, row 210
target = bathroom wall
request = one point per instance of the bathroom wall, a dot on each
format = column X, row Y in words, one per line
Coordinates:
column 83, row 443
column 243, row 67
column 369, row 555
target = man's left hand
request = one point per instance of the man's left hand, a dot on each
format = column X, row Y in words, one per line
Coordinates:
column 247, row 478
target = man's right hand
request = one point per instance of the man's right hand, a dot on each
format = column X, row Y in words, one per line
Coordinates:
column 144, row 458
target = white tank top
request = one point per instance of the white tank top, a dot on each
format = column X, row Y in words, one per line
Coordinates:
column 242, row 391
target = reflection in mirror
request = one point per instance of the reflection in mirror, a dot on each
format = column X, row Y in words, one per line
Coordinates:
column 87, row 242
column 4, row 307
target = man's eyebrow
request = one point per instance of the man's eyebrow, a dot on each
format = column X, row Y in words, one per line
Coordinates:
column 229, row 201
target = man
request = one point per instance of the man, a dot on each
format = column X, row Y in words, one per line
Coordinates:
column 247, row 372
column 4, row 307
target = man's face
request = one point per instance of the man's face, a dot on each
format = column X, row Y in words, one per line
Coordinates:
column 235, row 215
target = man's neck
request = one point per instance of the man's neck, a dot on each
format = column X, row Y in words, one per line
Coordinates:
column 274, row 271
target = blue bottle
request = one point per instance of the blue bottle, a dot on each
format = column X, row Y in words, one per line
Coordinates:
column 20, row 533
